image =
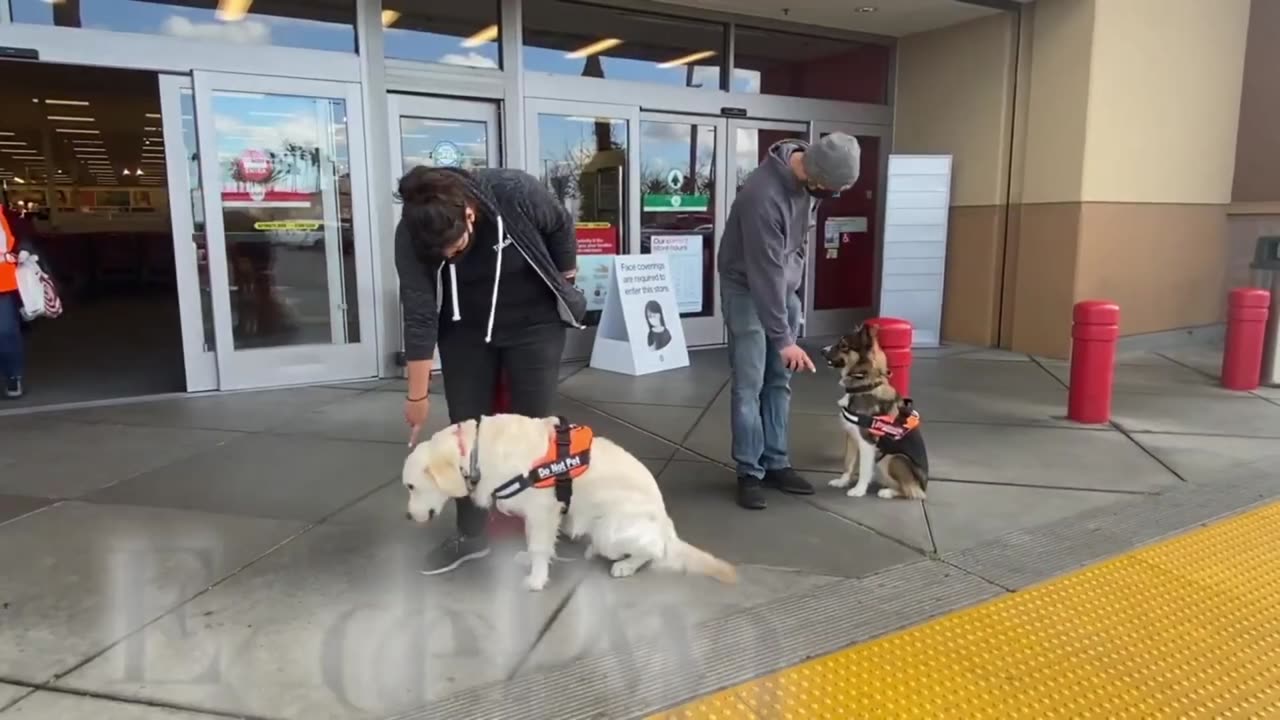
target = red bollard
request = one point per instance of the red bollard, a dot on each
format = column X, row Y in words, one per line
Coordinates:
column 502, row 525
column 1247, row 310
column 895, row 339
column 1095, row 329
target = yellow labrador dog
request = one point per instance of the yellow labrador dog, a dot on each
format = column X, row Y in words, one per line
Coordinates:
column 546, row 471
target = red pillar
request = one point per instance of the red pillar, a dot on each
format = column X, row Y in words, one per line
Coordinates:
column 895, row 339
column 1247, row 310
column 1095, row 329
column 501, row 525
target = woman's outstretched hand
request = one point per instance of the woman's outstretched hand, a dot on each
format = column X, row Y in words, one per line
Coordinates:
column 415, row 416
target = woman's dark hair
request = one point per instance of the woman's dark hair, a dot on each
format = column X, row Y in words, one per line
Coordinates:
column 653, row 307
column 435, row 207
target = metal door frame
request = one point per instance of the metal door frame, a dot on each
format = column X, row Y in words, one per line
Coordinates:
column 709, row 330
column 200, row 360
column 289, row 364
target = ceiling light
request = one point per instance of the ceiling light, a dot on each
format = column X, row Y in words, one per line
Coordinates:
column 13, row 142
column 389, row 18
column 20, row 181
column 153, row 115
column 232, row 10
column 867, row 9
column 79, row 131
column 70, row 118
column 50, row 101
column 5, row 134
column 690, row 58
column 486, row 35
column 594, row 48
column 85, row 141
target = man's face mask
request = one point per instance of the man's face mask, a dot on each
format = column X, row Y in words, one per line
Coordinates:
column 821, row 193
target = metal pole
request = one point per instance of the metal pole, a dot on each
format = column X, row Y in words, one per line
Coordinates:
column 1270, row 356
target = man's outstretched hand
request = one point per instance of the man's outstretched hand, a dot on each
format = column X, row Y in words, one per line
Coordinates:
column 796, row 359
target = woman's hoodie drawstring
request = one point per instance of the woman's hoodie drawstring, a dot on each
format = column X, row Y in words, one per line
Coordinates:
column 497, row 277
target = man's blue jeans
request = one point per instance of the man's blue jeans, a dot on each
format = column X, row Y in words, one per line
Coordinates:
column 10, row 336
column 760, row 387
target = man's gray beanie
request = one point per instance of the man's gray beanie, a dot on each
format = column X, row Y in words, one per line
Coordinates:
column 833, row 162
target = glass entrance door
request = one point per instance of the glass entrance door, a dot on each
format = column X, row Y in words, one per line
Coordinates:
column 439, row 132
column 583, row 152
column 750, row 142
column 682, row 211
column 287, row 229
column 843, row 276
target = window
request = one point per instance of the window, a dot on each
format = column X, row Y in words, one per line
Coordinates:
column 314, row 25
column 457, row 33
column 568, row 38
column 777, row 63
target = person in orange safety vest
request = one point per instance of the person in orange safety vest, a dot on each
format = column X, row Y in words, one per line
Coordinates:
column 11, row 354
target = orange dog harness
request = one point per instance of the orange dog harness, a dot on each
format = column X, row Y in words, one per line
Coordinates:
column 568, row 456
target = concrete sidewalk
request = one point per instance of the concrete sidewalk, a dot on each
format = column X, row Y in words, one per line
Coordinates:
column 246, row 554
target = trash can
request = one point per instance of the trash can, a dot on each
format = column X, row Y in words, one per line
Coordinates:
column 1266, row 264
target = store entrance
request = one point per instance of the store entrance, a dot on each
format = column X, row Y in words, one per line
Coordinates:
column 82, row 161
column 648, row 182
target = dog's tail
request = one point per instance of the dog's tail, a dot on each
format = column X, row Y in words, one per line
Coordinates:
column 683, row 557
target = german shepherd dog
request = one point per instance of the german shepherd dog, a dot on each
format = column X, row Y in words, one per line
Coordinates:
column 880, row 427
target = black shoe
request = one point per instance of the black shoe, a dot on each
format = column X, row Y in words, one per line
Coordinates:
column 751, row 493
column 788, row 481
column 454, row 552
column 13, row 388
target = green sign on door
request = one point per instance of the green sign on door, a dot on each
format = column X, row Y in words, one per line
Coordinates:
column 654, row 202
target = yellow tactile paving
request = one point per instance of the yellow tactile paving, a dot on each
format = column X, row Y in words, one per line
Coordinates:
column 1186, row 628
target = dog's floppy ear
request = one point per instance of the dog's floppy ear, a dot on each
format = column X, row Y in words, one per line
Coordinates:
column 442, row 466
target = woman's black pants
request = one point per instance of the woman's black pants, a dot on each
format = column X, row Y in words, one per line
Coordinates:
column 530, row 357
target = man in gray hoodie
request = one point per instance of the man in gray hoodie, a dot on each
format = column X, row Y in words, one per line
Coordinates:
column 762, row 261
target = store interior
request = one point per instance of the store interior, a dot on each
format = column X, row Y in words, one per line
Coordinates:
column 82, row 164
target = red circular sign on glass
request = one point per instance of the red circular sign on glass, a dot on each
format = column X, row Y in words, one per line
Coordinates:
column 255, row 166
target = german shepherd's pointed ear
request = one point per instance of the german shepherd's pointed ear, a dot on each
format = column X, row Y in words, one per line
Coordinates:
column 872, row 331
column 444, row 465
